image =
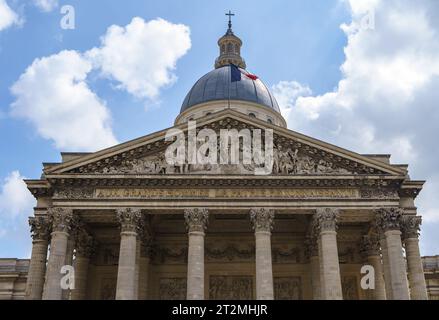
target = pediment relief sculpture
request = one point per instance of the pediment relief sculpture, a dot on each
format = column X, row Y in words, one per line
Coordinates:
column 286, row 161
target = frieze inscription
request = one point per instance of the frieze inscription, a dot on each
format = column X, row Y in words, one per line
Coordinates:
column 136, row 193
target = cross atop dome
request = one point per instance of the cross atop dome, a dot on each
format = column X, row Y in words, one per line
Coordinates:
column 230, row 14
column 230, row 48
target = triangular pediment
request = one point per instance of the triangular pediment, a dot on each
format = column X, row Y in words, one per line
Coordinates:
column 295, row 154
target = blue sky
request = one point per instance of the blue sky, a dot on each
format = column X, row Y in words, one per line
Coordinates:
column 315, row 67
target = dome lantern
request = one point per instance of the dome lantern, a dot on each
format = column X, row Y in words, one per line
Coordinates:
column 221, row 89
column 230, row 48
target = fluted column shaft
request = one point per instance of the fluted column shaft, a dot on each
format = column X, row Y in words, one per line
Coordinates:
column 144, row 262
column 262, row 220
column 126, row 276
column 371, row 253
column 389, row 221
column 143, row 277
column 40, row 229
column 62, row 224
column 379, row 293
column 418, row 287
column 386, row 269
column 312, row 252
column 69, row 260
column 84, row 251
column 326, row 224
column 196, row 221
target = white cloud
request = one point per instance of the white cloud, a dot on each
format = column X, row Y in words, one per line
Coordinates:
column 46, row 5
column 15, row 198
column 7, row 16
column 287, row 92
column 16, row 204
column 54, row 96
column 141, row 56
column 387, row 98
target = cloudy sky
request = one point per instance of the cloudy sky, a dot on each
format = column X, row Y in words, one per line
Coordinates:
column 362, row 74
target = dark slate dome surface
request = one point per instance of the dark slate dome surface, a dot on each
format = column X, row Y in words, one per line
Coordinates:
column 217, row 85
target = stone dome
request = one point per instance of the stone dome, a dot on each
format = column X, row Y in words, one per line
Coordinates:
column 218, row 85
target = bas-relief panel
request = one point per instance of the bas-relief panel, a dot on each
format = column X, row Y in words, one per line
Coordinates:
column 108, row 289
column 242, row 288
column 231, row 288
column 349, row 287
column 286, row 161
column 287, row 288
column 172, row 288
column 227, row 252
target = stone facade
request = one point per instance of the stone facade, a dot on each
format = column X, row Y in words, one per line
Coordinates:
column 431, row 270
column 166, row 234
column 136, row 226
column 13, row 277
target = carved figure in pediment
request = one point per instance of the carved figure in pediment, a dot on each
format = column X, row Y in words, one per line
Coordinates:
column 286, row 161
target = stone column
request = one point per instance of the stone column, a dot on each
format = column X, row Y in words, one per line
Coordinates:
column 40, row 230
column 386, row 268
column 63, row 220
column 196, row 222
column 389, row 222
column 418, row 287
column 137, row 269
column 69, row 257
column 262, row 220
column 144, row 262
column 126, row 277
column 144, row 258
column 312, row 253
column 370, row 249
column 326, row 227
column 84, row 251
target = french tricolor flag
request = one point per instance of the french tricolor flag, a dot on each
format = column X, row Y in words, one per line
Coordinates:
column 236, row 74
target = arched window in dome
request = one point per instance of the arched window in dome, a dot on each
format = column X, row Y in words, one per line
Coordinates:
column 236, row 49
column 229, row 48
column 270, row 121
column 251, row 114
column 223, row 49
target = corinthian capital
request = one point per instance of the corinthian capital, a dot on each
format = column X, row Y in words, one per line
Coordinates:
column 370, row 246
column 196, row 219
column 411, row 226
column 389, row 219
column 63, row 219
column 85, row 246
column 326, row 219
column 262, row 219
column 129, row 219
column 40, row 227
